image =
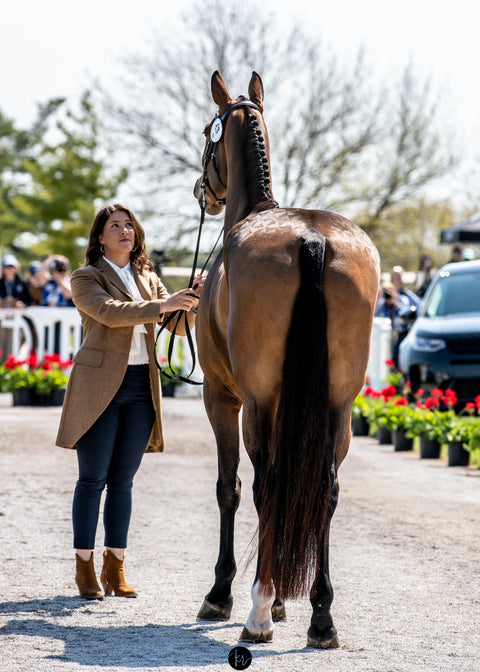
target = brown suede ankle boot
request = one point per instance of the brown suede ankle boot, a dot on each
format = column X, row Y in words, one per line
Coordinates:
column 86, row 580
column 112, row 577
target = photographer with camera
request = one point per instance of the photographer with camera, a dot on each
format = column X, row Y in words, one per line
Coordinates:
column 56, row 291
column 390, row 304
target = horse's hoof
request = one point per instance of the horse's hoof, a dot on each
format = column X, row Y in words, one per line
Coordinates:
column 255, row 638
column 279, row 612
column 325, row 640
column 215, row 612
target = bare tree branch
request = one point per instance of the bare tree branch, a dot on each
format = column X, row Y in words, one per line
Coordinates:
column 339, row 138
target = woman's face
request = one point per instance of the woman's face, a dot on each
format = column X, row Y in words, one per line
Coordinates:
column 118, row 235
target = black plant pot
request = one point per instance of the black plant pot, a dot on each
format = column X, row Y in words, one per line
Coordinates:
column 400, row 441
column 57, row 397
column 429, row 448
column 457, row 455
column 384, row 435
column 360, row 426
column 168, row 389
column 41, row 399
column 23, row 396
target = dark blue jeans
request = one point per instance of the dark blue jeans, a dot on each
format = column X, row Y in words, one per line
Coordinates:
column 109, row 455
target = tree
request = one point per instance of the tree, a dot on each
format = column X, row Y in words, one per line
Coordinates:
column 70, row 179
column 406, row 231
column 17, row 146
column 339, row 139
column 56, row 182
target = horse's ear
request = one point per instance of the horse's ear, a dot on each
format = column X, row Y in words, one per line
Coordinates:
column 219, row 92
column 255, row 90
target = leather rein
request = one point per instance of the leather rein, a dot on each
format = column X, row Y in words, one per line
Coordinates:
column 178, row 315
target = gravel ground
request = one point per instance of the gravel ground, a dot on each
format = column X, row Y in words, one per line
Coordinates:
column 404, row 561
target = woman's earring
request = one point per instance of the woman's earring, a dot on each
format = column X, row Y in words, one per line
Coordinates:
column 102, row 249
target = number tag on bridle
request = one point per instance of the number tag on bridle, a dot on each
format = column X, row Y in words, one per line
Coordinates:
column 217, row 130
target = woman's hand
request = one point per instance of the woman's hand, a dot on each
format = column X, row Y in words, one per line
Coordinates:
column 185, row 299
column 198, row 283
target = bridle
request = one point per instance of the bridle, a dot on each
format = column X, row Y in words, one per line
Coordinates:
column 211, row 149
column 209, row 155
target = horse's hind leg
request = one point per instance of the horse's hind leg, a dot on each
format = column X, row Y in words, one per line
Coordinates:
column 279, row 612
column 322, row 633
column 223, row 415
column 259, row 624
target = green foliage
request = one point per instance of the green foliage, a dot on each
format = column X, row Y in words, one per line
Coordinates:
column 361, row 407
column 461, row 430
column 42, row 377
column 415, row 226
column 52, row 178
column 394, row 412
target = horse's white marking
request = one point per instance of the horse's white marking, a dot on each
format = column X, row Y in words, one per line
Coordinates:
column 260, row 618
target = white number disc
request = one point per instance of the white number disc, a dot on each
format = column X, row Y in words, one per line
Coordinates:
column 217, row 130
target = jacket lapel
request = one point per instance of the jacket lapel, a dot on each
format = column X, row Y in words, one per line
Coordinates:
column 142, row 283
column 112, row 276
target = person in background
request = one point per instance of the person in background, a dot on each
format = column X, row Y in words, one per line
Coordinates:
column 13, row 294
column 396, row 276
column 391, row 304
column 38, row 276
column 13, row 289
column 112, row 411
column 57, row 291
column 457, row 253
column 424, row 275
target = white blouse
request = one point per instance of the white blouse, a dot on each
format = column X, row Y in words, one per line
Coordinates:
column 138, row 346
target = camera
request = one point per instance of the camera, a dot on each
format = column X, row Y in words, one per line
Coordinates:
column 58, row 266
column 387, row 294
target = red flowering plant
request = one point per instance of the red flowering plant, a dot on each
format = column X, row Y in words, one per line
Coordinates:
column 370, row 404
column 51, row 373
column 394, row 376
column 458, row 429
column 396, row 414
column 438, row 419
column 362, row 403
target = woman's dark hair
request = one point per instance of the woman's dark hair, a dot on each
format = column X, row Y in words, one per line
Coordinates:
column 138, row 255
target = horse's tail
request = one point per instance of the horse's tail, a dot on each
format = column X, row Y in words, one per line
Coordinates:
column 296, row 484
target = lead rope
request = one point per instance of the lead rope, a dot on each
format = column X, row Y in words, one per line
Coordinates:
column 173, row 375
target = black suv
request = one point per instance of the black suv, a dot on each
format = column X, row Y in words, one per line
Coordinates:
column 442, row 349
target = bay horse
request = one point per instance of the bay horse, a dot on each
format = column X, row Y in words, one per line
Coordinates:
column 283, row 330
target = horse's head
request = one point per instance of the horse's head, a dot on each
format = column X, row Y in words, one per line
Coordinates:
column 211, row 188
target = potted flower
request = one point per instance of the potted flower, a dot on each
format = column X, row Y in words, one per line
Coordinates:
column 457, row 435
column 376, row 413
column 428, row 426
column 394, row 376
column 397, row 419
column 33, row 382
column 360, row 426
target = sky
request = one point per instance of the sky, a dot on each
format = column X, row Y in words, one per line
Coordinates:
column 54, row 48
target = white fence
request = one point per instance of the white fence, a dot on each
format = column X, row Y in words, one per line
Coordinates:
column 47, row 330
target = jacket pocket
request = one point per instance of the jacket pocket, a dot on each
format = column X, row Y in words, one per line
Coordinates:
column 89, row 356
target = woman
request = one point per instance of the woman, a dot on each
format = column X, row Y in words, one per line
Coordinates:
column 112, row 412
